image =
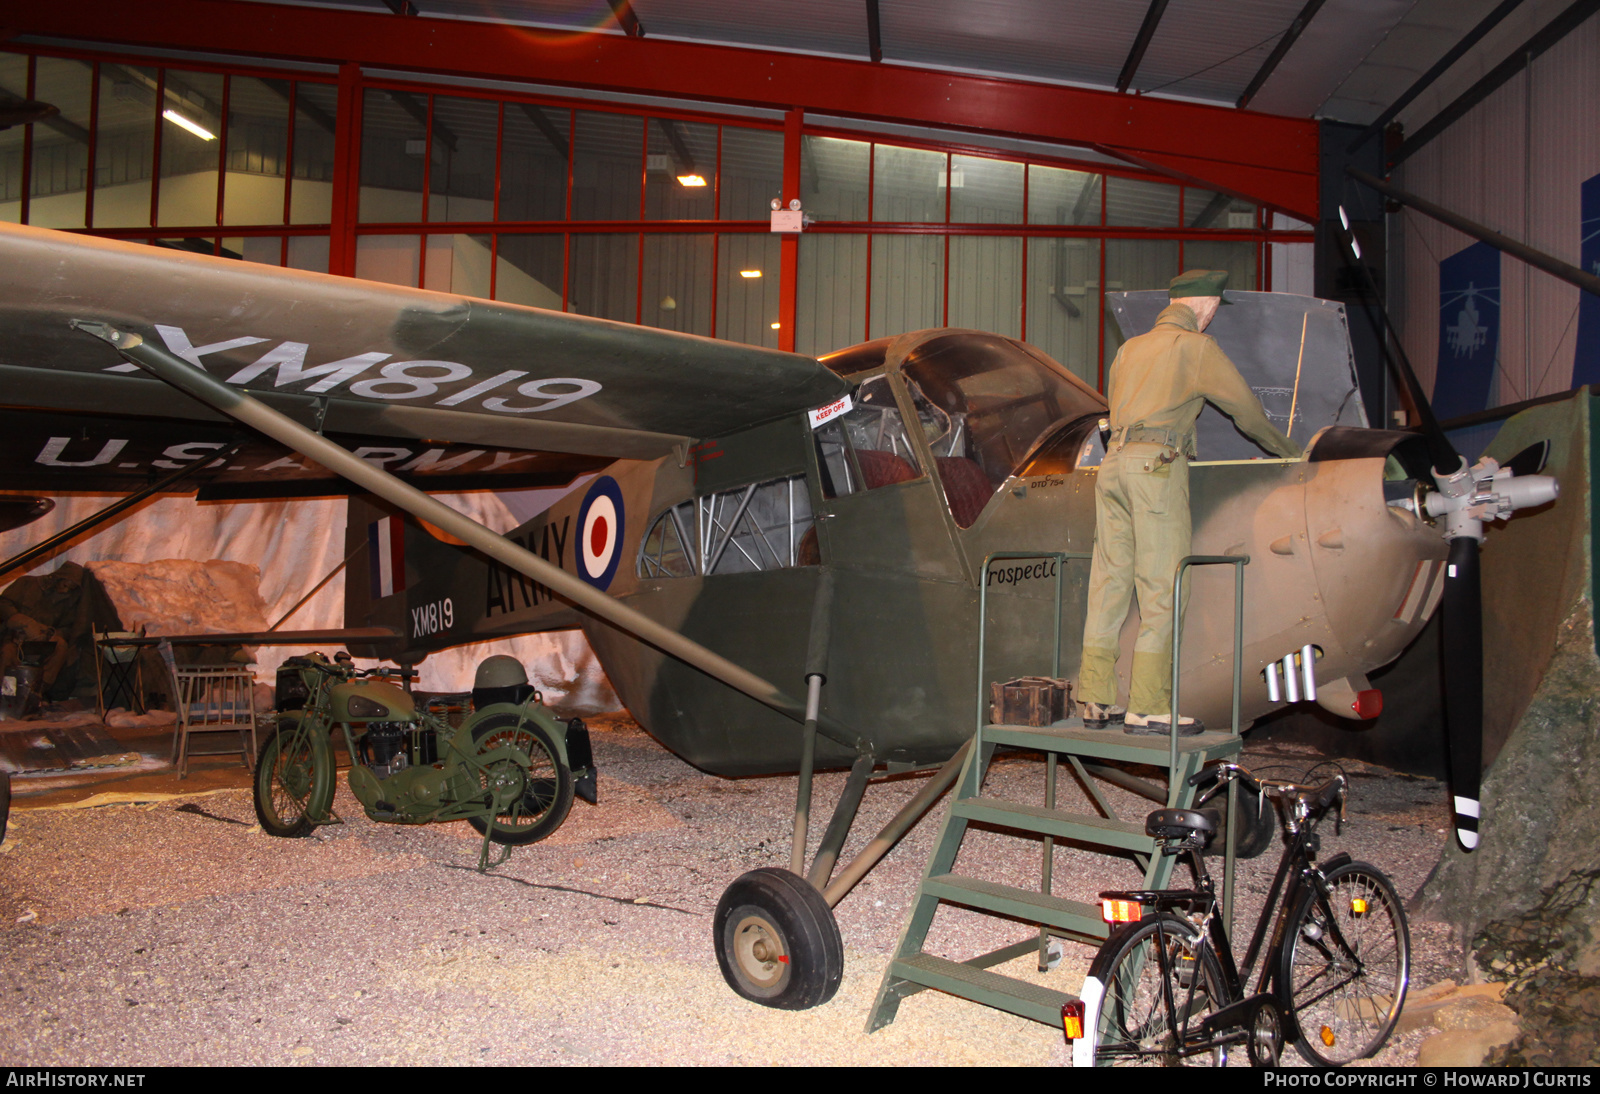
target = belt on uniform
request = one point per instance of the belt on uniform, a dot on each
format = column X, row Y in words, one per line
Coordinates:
column 1135, row 434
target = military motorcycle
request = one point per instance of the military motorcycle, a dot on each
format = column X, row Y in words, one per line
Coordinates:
column 510, row 768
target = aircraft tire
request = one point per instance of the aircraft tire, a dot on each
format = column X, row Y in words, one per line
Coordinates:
column 777, row 941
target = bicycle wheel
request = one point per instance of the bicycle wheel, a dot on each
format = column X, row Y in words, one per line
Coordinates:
column 1134, row 1024
column 1344, row 989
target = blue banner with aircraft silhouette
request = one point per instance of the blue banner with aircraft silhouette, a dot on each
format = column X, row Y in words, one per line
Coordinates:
column 1469, row 331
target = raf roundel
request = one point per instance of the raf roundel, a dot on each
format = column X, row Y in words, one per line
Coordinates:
column 600, row 524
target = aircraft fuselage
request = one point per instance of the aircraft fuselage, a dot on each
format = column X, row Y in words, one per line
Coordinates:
column 729, row 547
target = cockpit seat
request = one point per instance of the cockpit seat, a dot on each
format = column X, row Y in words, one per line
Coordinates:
column 883, row 468
column 966, row 487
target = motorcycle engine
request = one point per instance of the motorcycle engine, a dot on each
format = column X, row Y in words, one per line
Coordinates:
column 383, row 747
column 388, row 747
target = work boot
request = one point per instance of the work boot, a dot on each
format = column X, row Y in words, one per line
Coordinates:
column 1099, row 716
column 1153, row 725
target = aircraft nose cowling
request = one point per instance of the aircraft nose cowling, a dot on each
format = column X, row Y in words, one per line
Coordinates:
column 1378, row 568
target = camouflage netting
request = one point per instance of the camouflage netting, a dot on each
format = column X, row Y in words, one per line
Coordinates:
column 57, row 609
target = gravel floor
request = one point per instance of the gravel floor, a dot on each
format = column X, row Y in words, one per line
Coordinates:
column 176, row 932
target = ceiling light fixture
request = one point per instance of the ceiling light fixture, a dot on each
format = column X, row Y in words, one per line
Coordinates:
column 749, row 273
column 777, row 326
column 184, row 123
column 692, row 180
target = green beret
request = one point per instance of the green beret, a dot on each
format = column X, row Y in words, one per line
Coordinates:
column 1198, row 283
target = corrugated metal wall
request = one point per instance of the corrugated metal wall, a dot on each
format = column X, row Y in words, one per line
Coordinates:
column 1515, row 163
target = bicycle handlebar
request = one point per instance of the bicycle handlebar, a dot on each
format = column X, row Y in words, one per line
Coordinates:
column 1320, row 797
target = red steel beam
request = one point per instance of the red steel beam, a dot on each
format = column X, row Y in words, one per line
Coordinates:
column 1269, row 159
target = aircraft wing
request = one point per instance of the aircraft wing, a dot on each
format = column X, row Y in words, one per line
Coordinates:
column 365, row 360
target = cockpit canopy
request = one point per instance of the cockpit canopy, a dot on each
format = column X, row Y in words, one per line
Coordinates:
column 982, row 401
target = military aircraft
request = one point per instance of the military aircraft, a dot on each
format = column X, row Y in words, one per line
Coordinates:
column 740, row 521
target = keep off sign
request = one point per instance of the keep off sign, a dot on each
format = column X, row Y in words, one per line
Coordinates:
column 827, row 413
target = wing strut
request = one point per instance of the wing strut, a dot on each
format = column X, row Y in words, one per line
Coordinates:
column 236, row 404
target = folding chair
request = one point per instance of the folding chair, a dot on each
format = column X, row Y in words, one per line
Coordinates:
column 117, row 672
column 215, row 699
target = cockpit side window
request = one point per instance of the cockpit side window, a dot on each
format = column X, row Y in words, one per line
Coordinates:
column 868, row 447
column 1070, row 447
column 762, row 526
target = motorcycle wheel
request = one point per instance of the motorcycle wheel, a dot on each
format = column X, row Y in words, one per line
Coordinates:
column 546, row 795
column 293, row 780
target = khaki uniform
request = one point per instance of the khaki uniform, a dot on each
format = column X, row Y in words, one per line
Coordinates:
column 1159, row 383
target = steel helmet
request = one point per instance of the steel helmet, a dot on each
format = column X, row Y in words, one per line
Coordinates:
column 500, row 671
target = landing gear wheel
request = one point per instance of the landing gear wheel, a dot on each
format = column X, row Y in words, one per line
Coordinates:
column 1266, row 1035
column 293, row 780
column 535, row 802
column 777, row 941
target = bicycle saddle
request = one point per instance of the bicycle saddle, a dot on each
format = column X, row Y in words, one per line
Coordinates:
column 1181, row 823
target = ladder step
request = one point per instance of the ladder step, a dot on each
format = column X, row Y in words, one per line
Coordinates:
column 1108, row 744
column 1126, row 835
column 982, row 986
column 1032, row 907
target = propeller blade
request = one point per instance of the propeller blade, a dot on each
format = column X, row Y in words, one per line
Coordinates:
column 1462, row 606
column 1531, row 460
column 1462, row 603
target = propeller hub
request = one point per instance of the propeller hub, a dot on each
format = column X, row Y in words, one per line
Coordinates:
column 1485, row 492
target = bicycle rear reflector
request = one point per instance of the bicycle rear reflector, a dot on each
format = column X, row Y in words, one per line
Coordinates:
column 1121, row 911
column 1072, row 1019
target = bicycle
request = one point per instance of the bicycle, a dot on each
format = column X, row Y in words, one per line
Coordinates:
column 1164, row 988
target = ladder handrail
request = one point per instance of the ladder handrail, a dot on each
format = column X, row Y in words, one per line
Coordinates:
column 1238, row 562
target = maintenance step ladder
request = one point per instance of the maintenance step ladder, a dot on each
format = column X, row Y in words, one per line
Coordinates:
column 913, row 970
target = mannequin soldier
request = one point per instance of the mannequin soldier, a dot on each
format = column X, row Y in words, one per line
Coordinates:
column 1159, row 383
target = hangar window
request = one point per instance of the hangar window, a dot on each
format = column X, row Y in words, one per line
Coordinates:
column 643, row 214
column 763, row 526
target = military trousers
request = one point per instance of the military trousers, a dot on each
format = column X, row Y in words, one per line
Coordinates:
column 1141, row 533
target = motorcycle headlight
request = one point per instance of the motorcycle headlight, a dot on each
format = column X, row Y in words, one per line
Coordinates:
column 362, row 707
